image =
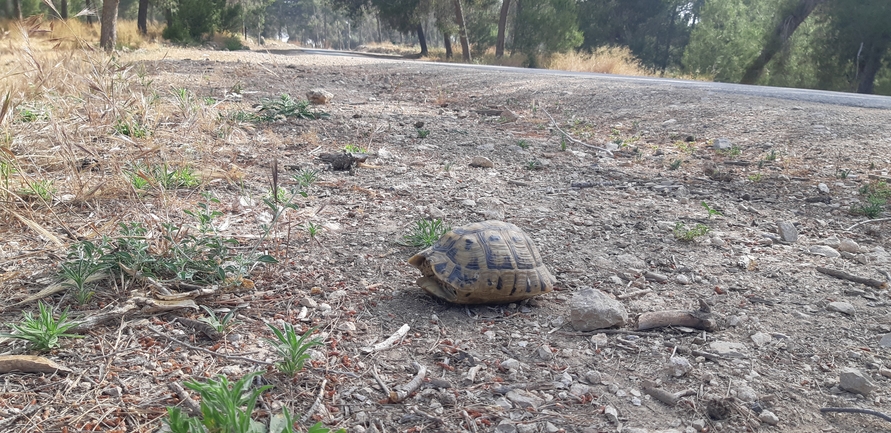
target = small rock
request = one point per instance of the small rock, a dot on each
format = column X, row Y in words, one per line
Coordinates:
column 592, row 309
column 769, row 417
column 510, row 364
column 885, row 341
column 509, row 116
column 523, row 399
column 599, row 340
column 309, row 303
column 823, row 250
column 841, row 307
column 682, row 279
column 612, row 415
column 849, row 246
column 728, row 349
column 435, row 212
column 319, row 96
column 482, row 162
column 593, row 377
column 468, row 202
column 527, row 428
column 746, row 393
column 655, row 276
column 545, row 353
column 699, row 424
column 761, row 338
column 823, row 188
column 488, row 147
column 679, row 366
column 722, row 144
column 550, row 427
column 383, row 153
column 833, row 242
column 669, row 122
column 852, row 380
column 787, row 231
column 506, row 427
column 579, row 389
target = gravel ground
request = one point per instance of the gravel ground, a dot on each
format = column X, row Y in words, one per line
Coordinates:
column 787, row 340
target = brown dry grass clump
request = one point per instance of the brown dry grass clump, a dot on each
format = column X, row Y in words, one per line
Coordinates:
column 606, row 60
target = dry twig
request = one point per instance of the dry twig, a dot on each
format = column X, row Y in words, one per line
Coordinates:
column 315, row 405
column 856, row 410
column 573, row 139
column 846, row 276
column 410, row 387
column 389, row 342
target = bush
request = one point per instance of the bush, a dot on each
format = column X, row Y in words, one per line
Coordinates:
column 233, row 43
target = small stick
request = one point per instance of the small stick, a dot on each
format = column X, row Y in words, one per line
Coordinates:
column 690, row 319
column 389, row 342
column 573, row 139
column 659, row 394
column 26, row 412
column 409, row 388
column 470, row 377
column 856, row 410
column 315, row 404
column 846, row 276
column 191, row 406
column 867, row 222
column 383, row 385
column 706, row 355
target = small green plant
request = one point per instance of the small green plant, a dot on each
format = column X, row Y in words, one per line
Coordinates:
column 842, row 173
column 305, row 178
column 312, row 230
column 43, row 332
column 130, row 129
column 279, row 196
column 219, row 324
column 711, row 211
column 142, row 176
column 242, row 116
column 523, row 144
column 876, row 196
column 681, row 232
column 236, row 88
column 83, row 267
column 285, row 107
column 425, row 233
column 352, row 148
column 447, row 166
column 534, row 165
column 209, row 100
column 205, row 215
column 42, row 189
column 6, row 171
column 685, row 147
column 27, row 115
column 755, row 177
column 563, row 144
column 423, row 133
column 291, row 349
column 772, row 156
column 733, row 152
column 676, row 164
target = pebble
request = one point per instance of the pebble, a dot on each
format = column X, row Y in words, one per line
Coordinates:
column 482, row 162
column 319, row 96
column 841, row 307
column 510, row 364
column 383, row 153
column 852, row 380
column 593, row 377
column 545, row 353
column 722, row 144
column 669, row 122
column 655, row 276
column 823, row 250
column 523, row 399
column 848, row 246
column 506, row 427
column 599, row 340
column 728, row 349
column 768, row 417
column 787, row 231
column 468, row 202
column 761, row 338
column 679, row 366
column 527, row 428
column 885, row 341
column 488, row 147
column 746, row 393
column 612, row 415
column 823, row 188
column 592, row 309
column 698, row 424
column 682, row 279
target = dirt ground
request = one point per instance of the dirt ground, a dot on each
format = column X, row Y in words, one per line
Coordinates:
column 786, row 332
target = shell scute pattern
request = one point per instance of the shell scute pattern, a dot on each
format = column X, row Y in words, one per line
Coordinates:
column 486, row 262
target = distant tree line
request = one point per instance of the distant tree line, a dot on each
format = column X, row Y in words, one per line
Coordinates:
column 826, row 44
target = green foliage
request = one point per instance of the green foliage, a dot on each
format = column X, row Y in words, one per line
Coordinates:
column 547, row 26
column 219, row 324
column 676, row 164
column 354, row 148
column 312, row 230
column 131, row 129
column 425, row 233
column 39, row 189
column 534, row 165
column 233, row 43
column 423, row 133
column 194, row 21
column 43, row 332
column 83, row 267
column 875, row 195
column 162, row 176
column 291, row 349
column 682, row 233
column 711, row 212
column 285, row 107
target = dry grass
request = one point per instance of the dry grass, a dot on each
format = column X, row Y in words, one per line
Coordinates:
column 605, row 60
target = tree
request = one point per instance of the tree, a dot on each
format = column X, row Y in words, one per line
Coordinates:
column 462, row 29
column 794, row 14
column 108, row 32
column 546, row 26
column 862, row 37
column 63, row 9
column 502, row 24
column 17, row 9
column 142, row 17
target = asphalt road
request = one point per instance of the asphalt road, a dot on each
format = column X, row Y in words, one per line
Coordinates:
column 792, row 94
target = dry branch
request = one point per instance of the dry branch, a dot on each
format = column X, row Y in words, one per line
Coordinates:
column 573, row 139
column 662, row 395
column 389, row 342
column 404, row 391
column 856, row 410
column 312, row 409
column 846, row 276
column 191, row 406
column 30, row 364
column 690, row 319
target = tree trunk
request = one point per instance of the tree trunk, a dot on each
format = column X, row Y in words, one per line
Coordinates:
column 142, row 17
column 674, row 14
column 517, row 27
column 778, row 38
column 108, row 32
column 422, row 40
column 17, row 9
column 502, row 25
column 63, row 9
column 447, row 41
column 89, row 5
column 867, row 69
column 462, row 30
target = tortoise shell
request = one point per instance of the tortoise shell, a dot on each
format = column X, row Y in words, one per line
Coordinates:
column 484, row 262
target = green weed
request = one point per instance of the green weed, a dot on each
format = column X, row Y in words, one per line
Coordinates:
column 291, row 349
column 84, row 266
column 131, row 129
column 523, row 144
column 423, row 133
column 41, row 189
column 43, row 332
column 682, row 233
column 534, row 165
column 425, row 233
column 219, row 324
column 711, row 211
column 352, row 148
column 305, row 178
column 676, row 164
column 755, row 177
column 284, row 107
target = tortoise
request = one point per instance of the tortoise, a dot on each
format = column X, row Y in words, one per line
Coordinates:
column 481, row 263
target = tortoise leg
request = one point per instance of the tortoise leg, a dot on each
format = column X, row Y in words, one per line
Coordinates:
column 434, row 288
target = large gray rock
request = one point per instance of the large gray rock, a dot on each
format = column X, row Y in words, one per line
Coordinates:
column 787, row 231
column 852, row 380
column 592, row 309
